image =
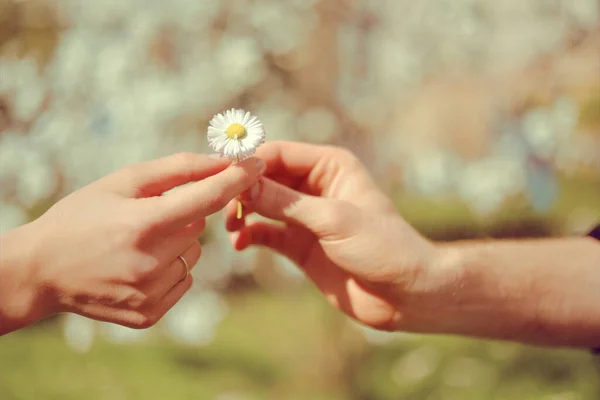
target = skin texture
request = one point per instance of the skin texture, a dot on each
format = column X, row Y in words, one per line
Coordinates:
column 109, row 251
column 330, row 218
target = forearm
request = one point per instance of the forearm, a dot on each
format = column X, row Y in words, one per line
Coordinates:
column 21, row 299
column 544, row 292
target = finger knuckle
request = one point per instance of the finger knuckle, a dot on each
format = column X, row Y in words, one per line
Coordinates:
column 192, row 254
column 147, row 225
column 143, row 269
column 152, row 318
column 339, row 152
column 189, row 282
column 146, row 320
column 187, row 285
column 197, row 253
column 132, row 230
column 280, row 197
column 348, row 157
column 141, row 301
column 136, row 299
column 345, row 153
column 131, row 173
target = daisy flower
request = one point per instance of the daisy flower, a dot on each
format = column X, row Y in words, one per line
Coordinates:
column 235, row 134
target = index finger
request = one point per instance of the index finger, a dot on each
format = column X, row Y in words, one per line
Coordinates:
column 291, row 158
column 154, row 177
column 201, row 199
column 313, row 167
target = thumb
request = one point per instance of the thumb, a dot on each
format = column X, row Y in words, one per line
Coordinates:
column 326, row 218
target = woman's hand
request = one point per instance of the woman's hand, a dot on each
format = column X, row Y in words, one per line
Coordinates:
column 110, row 251
column 342, row 231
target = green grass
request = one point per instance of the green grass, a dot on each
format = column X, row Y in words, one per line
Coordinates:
column 263, row 349
column 286, row 347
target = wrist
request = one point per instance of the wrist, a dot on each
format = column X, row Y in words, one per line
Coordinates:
column 515, row 290
column 456, row 294
column 431, row 303
column 24, row 298
column 463, row 298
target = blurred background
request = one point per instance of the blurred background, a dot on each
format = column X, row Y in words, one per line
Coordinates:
column 480, row 118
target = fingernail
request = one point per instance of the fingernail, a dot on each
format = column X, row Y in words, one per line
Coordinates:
column 215, row 156
column 262, row 167
column 254, row 192
column 251, row 195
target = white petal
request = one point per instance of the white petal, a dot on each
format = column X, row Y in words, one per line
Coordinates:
column 246, row 119
column 254, row 122
column 239, row 116
column 218, row 121
column 231, row 116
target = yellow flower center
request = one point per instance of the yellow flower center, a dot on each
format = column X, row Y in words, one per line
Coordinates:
column 235, row 131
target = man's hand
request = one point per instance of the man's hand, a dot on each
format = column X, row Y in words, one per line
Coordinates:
column 348, row 238
column 340, row 229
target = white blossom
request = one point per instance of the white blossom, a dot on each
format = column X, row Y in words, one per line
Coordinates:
column 194, row 319
column 79, row 332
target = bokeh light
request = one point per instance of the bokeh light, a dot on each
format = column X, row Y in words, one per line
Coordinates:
column 480, row 119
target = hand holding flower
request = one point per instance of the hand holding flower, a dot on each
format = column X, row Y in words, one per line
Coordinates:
column 111, row 250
